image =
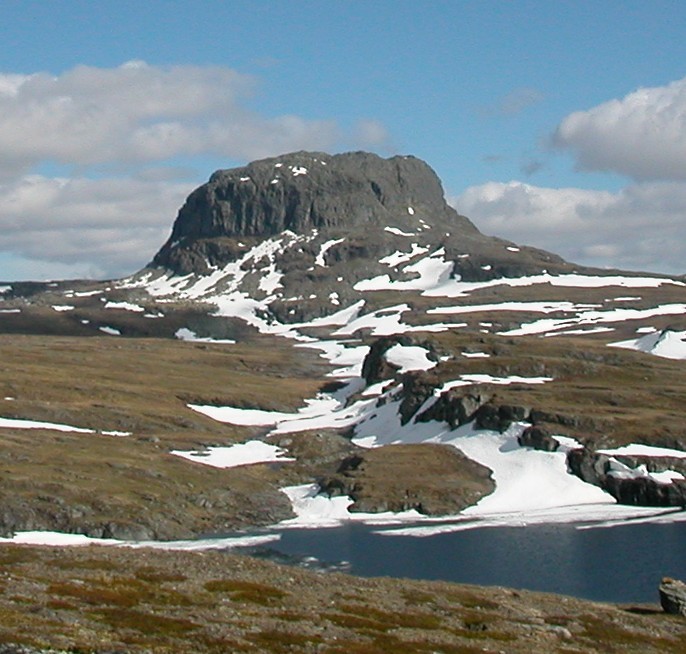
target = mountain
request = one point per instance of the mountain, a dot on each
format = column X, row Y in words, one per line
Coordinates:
column 320, row 327
column 336, row 219
column 323, row 339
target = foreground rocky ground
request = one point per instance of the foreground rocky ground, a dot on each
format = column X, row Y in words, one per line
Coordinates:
column 105, row 600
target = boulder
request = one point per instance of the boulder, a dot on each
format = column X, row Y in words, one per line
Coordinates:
column 588, row 465
column 645, row 491
column 597, row 469
column 538, row 438
column 456, row 407
column 499, row 418
column 418, row 387
column 375, row 368
column 673, row 596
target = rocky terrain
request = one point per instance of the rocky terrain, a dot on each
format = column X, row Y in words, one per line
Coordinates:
column 334, row 314
column 104, row 600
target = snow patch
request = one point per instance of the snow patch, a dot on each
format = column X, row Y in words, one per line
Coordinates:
column 409, row 357
column 15, row 423
column 236, row 455
column 127, row 306
column 398, row 232
column 667, row 344
column 398, row 257
column 319, row 260
column 637, row 449
column 185, row 334
column 431, row 271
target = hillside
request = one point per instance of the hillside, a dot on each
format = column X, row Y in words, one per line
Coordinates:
column 322, row 338
column 345, row 282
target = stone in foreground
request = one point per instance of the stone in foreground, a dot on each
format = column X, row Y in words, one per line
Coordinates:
column 673, row 596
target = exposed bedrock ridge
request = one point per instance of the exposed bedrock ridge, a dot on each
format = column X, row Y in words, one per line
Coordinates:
column 356, row 195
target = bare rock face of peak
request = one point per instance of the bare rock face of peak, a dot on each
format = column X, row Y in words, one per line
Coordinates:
column 306, row 191
column 338, row 219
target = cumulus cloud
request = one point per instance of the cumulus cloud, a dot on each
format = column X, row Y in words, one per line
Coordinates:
column 141, row 113
column 145, row 122
column 105, row 227
column 640, row 227
column 642, row 135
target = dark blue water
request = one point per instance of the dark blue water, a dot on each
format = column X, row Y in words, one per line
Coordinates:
column 618, row 564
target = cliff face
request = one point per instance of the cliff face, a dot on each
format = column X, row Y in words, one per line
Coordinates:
column 375, row 203
column 304, row 191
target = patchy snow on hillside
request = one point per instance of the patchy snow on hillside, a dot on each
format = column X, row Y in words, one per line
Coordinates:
column 430, row 272
column 315, row 510
column 536, row 307
column 185, row 334
column 233, row 456
column 127, row 306
column 409, row 357
column 478, row 378
column 14, row 423
column 668, row 344
column 398, row 232
column 594, row 317
column 457, row 288
column 644, row 450
column 58, row 539
column 111, row 331
column 388, row 320
column 398, row 257
column 320, row 260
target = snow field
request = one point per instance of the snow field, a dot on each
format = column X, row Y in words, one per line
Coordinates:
column 530, row 485
column 668, row 344
column 236, row 455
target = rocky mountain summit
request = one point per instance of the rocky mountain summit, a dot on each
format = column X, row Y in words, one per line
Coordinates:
column 342, row 215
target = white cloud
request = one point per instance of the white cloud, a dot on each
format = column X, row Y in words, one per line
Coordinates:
column 372, row 132
column 640, row 227
column 107, row 227
column 146, row 122
column 141, row 113
column 643, row 135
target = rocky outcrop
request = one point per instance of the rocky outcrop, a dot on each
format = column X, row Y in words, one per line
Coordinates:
column 500, row 417
column 635, row 490
column 417, row 388
column 367, row 204
column 538, row 438
column 301, row 192
column 673, row 596
column 376, row 368
column 432, row 479
column 456, row 406
column 645, row 491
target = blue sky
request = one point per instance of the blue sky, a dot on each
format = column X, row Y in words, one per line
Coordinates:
column 530, row 112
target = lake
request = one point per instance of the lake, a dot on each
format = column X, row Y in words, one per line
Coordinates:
column 618, row 564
